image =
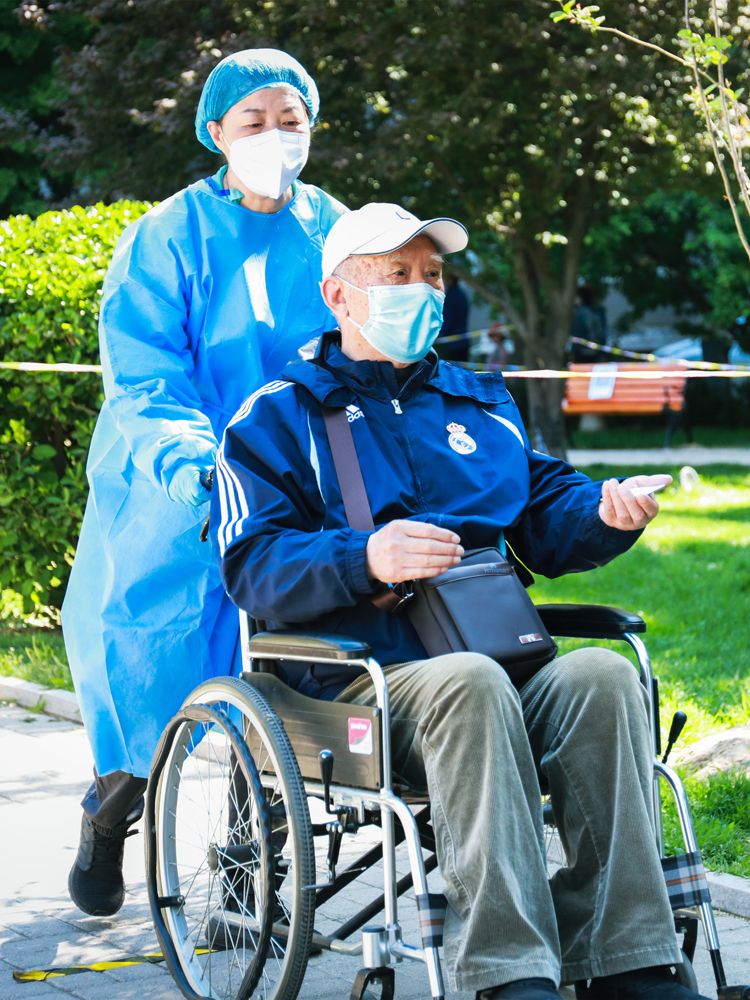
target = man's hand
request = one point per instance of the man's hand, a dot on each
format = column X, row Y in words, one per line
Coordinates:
column 620, row 508
column 411, row 550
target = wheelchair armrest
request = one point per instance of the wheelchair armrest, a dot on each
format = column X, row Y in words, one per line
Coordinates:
column 307, row 645
column 589, row 621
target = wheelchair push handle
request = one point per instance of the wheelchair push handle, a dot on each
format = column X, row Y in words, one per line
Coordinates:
column 207, row 482
column 325, row 758
column 678, row 724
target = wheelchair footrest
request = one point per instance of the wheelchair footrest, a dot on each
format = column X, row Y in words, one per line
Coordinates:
column 367, row 977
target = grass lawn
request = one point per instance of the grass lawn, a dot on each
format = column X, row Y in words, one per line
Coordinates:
column 689, row 577
column 35, row 655
column 649, row 433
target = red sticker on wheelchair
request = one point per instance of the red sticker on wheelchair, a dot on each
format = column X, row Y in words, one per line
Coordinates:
column 360, row 736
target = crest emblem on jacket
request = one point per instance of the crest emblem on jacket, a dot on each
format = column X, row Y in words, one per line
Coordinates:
column 459, row 440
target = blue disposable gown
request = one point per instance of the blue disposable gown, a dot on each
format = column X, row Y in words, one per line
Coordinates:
column 204, row 301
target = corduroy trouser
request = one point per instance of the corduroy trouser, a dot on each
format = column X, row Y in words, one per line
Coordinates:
column 579, row 727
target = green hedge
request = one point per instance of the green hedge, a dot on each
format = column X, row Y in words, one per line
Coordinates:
column 51, row 273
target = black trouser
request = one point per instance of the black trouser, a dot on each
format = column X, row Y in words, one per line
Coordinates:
column 118, row 798
column 114, row 799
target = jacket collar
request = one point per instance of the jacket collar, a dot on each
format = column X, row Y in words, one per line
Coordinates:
column 332, row 378
column 483, row 387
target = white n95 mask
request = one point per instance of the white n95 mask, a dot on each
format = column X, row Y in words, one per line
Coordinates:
column 268, row 163
column 404, row 320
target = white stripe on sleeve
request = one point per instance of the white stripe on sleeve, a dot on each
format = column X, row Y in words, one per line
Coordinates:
column 233, row 518
column 314, row 461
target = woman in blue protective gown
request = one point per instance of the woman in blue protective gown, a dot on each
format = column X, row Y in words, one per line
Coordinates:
column 208, row 296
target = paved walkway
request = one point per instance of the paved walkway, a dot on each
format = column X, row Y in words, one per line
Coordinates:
column 43, row 768
column 688, row 454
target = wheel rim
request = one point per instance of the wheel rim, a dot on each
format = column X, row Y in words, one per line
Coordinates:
column 231, row 914
column 214, row 853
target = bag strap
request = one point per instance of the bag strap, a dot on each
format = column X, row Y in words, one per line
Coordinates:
column 353, row 492
column 348, row 470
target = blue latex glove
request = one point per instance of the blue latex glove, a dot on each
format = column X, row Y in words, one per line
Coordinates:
column 187, row 486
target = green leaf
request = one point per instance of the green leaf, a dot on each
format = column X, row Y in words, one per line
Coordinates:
column 51, row 272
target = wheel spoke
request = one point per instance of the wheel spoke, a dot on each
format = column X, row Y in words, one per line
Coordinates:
column 214, row 800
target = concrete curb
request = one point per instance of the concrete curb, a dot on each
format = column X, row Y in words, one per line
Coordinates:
column 52, row 701
column 729, row 893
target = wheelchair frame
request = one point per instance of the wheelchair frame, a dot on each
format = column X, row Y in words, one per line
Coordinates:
column 360, row 789
column 381, row 946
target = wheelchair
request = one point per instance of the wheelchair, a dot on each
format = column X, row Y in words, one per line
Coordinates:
column 250, row 775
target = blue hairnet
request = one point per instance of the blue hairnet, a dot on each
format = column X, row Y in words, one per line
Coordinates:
column 242, row 74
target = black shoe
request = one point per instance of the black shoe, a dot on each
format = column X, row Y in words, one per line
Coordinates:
column 521, row 989
column 654, row 983
column 95, row 882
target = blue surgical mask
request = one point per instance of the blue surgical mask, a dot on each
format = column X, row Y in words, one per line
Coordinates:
column 404, row 320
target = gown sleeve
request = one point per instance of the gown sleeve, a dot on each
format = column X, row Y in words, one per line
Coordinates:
column 146, row 355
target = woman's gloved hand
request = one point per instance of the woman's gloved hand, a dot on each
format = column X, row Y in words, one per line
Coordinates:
column 187, row 486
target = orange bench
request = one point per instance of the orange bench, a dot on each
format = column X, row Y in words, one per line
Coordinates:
column 607, row 394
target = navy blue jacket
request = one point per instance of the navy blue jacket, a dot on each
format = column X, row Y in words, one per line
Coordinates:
column 447, row 447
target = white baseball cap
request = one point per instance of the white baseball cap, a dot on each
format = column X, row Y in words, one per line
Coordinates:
column 381, row 228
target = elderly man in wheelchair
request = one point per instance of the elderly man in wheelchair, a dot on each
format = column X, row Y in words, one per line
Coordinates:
column 364, row 713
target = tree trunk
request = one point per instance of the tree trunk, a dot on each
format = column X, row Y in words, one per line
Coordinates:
column 546, row 421
column 547, row 352
column 548, row 298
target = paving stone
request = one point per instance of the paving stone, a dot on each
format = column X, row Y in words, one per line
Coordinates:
column 11, row 990
column 147, row 975
column 10, row 934
column 102, row 986
column 733, row 927
column 69, row 948
column 39, row 926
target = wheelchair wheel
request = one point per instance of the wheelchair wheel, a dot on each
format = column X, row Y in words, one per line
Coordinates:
column 684, row 974
column 552, row 843
column 230, row 850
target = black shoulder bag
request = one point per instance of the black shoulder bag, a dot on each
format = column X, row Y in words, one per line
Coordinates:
column 479, row 606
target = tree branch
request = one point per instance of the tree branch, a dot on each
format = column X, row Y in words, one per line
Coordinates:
column 715, row 148
column 501, row 299
column 733, row 151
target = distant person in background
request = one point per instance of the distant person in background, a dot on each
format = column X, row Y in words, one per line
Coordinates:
column 739, row 350
column 455, row 321
column 589, row 323
column 498, row 357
